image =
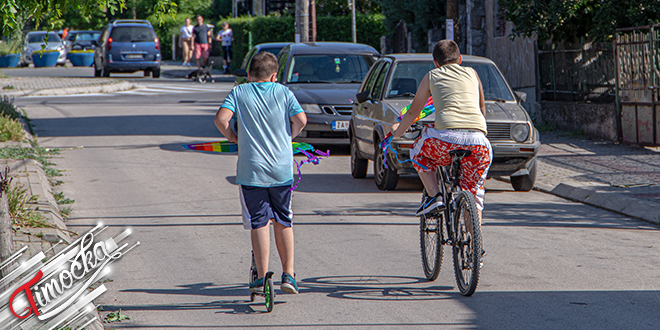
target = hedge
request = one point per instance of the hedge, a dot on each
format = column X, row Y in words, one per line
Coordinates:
column 281, row 29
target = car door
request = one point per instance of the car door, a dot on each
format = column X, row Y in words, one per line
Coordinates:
column 282, row 59
column 376, row 112
column 361, row 111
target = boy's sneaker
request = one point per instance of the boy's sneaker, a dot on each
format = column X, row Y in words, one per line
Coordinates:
column 430, row 204
column 289, row 284
column 257, row 286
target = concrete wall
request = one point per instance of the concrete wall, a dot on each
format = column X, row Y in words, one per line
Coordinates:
column 594, row 120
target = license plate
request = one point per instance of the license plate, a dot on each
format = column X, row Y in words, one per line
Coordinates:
column 134, row 57
column 340, row 125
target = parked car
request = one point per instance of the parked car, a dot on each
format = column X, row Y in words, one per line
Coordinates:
column 273, row 47
column 324, row 77
column 35, row 39
column 127, row 46
column 82, row 40
column 391, row 85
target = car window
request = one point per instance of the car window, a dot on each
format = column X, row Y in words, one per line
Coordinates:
column 281, row 60
column 86, row 37
column 247, row 59
column 495, row 88
column 39, row 37
column 322, row 68
column 132, row 34
column 372, row 78
column 378, row 87
column 273, row 50
column 406, row 77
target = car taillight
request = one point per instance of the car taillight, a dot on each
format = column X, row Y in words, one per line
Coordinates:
column 109, row 43
column 157, row 44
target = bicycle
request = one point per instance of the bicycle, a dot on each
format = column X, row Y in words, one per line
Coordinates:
column 457, row 225
column 269, row 292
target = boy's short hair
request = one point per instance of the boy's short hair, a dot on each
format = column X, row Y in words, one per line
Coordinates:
column 263, row 65
column 446, row 51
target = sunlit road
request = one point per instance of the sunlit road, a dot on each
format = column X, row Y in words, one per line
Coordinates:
column 551, row 263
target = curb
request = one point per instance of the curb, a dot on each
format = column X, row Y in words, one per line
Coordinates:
column 109, row 88
column 613, row 202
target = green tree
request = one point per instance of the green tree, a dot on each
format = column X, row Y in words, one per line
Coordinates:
column 568, row 20
column 340, row 7
column 419, row 15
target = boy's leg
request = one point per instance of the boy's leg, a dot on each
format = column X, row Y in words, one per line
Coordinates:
column 257, row 213
column 261, row 247
column 284, row 242
column 430, row 181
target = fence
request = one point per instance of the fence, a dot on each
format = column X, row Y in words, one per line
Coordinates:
column 581, row 72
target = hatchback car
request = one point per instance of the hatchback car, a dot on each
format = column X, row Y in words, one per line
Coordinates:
column 391, row 85
column 324, row 77
column 35, row 39
column 272, row 47
column 127, row 46
column 82, row 40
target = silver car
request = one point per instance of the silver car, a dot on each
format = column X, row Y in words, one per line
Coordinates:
column 391, row 85
column 34, row 40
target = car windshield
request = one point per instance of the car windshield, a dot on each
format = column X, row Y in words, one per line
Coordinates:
column 273, row 50
column 86, row 37
column 329, row 68
column 406, row 77
column 132, row 34
column 39, row 38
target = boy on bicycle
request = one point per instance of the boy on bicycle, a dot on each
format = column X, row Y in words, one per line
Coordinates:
column 268, row 117
column 460, row 123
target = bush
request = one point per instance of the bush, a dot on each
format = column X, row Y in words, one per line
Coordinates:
column 7, row 108
column 281, row 29
column 11, row 129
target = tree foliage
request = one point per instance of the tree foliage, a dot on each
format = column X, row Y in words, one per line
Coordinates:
column 340, row 7
column 568, row 20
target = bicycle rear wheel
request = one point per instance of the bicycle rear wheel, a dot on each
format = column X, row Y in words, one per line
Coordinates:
column 430, row 241
column 467, row 243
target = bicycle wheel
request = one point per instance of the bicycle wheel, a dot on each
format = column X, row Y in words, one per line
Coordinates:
column 269, row 294
column 467, row 243
column 430, row 241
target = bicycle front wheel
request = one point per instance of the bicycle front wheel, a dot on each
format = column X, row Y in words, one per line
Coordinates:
column 430, row 241
column 467, row 243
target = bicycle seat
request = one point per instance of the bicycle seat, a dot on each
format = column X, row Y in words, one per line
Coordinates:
column 460, row 154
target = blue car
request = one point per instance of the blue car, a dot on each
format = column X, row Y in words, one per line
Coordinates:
column 127, row 46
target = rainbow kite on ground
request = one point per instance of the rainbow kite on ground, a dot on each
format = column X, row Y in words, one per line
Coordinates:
column 225, row 147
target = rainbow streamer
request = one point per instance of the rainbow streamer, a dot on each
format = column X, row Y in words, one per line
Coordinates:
column 428, row 109
column 215, row 147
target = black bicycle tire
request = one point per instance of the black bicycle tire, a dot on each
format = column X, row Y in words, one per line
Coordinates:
column 466, row 271
column 269, row 294
column 431, row 271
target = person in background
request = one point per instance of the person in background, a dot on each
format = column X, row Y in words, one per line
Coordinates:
column 202, row 37
column 65, row 33
column 186, row 42
column 226, row 36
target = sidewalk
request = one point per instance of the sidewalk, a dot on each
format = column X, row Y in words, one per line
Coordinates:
column 620, row 178
column 174, row 69
column 45, row 86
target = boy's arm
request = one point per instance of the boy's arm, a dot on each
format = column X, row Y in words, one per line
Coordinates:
column 298, row 122
column 482, row 99
column 422, row 95
column 222, row 118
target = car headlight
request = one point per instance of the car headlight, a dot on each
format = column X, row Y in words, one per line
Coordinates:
column 412, row 134
column 311, row 108
column 520, row 132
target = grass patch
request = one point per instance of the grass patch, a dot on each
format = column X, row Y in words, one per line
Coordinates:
column 115, row 317
column 22, row 214
column 11, row 129
column 7, row 108
column 8, row 87
column 60, row 199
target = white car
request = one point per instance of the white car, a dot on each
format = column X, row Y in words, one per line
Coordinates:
column 35, row 39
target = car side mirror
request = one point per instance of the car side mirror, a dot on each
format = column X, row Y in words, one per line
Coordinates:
column 240, row 73
column 522, row 96
column 362, row 97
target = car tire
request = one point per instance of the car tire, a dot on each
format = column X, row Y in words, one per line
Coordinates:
column 105, row 72
column 155, row 73
column 386, row 178
column 147, row 72
column 525, row 182
column 358, row 165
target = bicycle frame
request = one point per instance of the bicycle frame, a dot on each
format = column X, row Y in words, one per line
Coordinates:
column 449, row 183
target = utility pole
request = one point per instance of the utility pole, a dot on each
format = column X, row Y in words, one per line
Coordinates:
column 353, row 26
column 452, row 20
column 312, row 8
column 302, row 20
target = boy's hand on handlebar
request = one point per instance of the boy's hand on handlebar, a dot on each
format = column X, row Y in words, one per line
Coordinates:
column 395, row 129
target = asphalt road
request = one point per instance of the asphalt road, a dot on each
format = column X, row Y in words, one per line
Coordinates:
column 551, row 263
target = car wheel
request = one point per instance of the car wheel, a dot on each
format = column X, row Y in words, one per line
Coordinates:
column 386, row 178
column 358, row 164
column 105, row 72
column 147, row 73
column 525, row 182
column 155, row 73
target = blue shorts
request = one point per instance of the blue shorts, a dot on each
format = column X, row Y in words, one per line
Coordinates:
column 261, row 204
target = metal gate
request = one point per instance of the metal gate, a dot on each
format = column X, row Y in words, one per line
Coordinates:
column 637, row 83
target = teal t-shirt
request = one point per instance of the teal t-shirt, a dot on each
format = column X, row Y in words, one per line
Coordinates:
column 262, row 112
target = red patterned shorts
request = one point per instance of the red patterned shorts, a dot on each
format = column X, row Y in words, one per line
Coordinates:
column 433, row 152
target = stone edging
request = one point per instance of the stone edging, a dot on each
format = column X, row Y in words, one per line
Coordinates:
column 108, row 88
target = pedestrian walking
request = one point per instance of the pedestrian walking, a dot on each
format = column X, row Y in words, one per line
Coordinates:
column 268, row 117
column 186, row 41
column 202, row 37
column 226, row 36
